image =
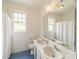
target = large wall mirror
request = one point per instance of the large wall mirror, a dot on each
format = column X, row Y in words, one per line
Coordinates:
column 61, row 26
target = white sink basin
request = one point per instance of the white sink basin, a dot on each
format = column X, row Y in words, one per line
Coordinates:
column 52, row 53
column 49, row 51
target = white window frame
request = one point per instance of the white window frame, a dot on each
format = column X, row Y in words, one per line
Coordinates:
column 25, row 30
column 51, row 23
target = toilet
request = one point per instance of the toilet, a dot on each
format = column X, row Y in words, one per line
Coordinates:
column 31, row 47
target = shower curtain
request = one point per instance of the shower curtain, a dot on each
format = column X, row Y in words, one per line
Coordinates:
column 6, row 36
column 65, row 32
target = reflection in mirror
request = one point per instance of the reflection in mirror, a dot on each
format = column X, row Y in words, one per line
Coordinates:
column 61, row 26
column 49, row 25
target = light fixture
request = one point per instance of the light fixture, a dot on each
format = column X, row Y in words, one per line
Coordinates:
column 60, row 5
column 57, row 4
column 48, row 7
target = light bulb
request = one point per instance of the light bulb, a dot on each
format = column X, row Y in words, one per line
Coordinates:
column 48, row 7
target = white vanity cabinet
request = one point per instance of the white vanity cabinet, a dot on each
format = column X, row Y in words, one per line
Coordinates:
column 37, row 53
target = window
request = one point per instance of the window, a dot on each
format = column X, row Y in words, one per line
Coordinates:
column 19, row 22
column 50, row 24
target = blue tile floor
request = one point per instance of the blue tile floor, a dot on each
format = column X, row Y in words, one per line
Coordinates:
column 22, row 55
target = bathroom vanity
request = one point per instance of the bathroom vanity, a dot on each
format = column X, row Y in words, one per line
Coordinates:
column 47, row 49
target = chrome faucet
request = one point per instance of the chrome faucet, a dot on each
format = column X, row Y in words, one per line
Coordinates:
column 56, row 48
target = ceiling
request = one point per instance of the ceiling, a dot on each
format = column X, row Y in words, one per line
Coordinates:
column 32, row 3
column 39, row 3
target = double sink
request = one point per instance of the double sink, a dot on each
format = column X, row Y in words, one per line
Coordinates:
column 49, row 49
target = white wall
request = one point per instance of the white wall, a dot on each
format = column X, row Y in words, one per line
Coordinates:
column 20, row 40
